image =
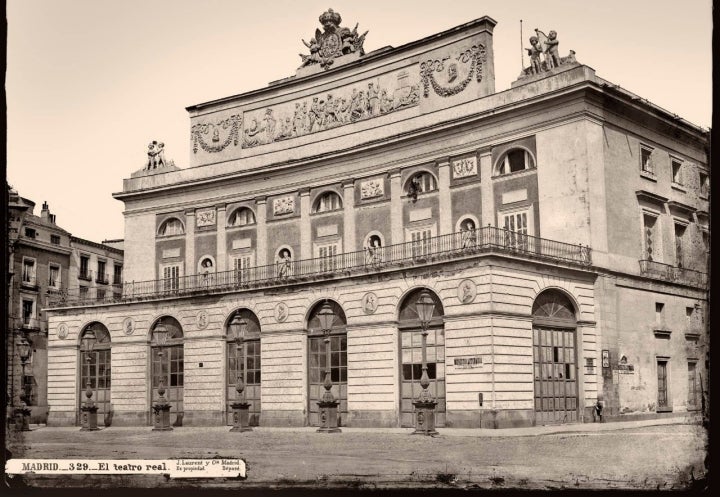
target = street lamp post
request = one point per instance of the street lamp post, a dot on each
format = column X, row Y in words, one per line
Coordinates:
column 241, row 413
column 22, row 412
column 425, row 404
column 161, row 408
column 328, row 405
column 88, row 418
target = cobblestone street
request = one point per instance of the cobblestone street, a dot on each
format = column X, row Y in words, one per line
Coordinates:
column 651, row 454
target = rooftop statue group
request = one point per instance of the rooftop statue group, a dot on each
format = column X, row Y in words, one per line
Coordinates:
column 333, row 42
column 544, row 54
column 156, row 156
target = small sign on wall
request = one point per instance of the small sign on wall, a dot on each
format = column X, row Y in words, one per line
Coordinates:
column 605, row 358
column 468, row 362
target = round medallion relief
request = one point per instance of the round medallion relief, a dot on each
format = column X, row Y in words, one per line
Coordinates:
column 281, row 312
column 466, row 291
column 62, row 331
column 128, row 326
column 202, row 320
column 369, row 303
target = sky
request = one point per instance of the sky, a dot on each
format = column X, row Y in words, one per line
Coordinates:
column 90, row 83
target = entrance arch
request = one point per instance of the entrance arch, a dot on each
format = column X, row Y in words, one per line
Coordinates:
column 555, row 358
column 95, row 368
column 411, row 357
column 168, row 364
column 317, row 361
column 244, row 362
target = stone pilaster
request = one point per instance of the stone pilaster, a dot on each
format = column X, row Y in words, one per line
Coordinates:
column 221, row 219
column 486, row 189
column 445, row 202
column 396, row 209
column 189, row 243
column 305, row 227
column 261, row 231
column 349, row 216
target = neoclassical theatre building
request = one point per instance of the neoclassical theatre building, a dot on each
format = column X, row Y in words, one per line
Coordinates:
column 560, row 227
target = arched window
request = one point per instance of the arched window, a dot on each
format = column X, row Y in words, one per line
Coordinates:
column 514, row 160
column 317, row 360
column 328, row 201
column 95, row 367
column 422, row 182
column 555, row 364
column 172, row 226
column 168, row 365
column 244, row 363
column 411, row 356
column 242, row 216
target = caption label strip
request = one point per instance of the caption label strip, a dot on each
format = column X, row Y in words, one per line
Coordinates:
column 175, row 468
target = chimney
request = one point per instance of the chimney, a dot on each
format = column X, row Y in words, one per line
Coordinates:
column 45, row 213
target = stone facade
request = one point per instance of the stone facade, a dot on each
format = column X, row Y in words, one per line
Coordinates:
column 520, row 211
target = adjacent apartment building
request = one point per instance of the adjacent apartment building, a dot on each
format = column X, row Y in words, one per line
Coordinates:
column 43, row 268
column 559, row 226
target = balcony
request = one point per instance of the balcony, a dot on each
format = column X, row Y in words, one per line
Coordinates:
column 27, row 323
column 85, row 275
column 666, row 272
column 445, row 248
column 102, row 279
column 29, row 282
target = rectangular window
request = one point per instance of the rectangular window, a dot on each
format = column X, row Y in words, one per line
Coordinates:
column 101, row 276
column 516, row 230
column 704, row 184
column 693, row 387
column 421, row 242
column 84, row 292
column 646, row 164
column 55, row 239
column 241, row 266
column 30, row 232
column 28, row 271
column 676, row 171
column 84, row 267
column 706, row 240
column 650, row 251
column 679, row 245
column 28, row 311
column 171, row 278
column 117, row 274
column 327, row 255
column 662, row 380
column 659, row 313
column 54, row 276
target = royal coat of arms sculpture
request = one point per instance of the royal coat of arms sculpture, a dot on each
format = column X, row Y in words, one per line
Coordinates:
column 333, row 42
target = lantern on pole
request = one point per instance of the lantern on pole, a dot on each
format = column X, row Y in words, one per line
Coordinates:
column 425, row 404
column 237, row 329
column 328, row 405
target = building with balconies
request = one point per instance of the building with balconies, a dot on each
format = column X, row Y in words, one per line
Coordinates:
column 559, row 227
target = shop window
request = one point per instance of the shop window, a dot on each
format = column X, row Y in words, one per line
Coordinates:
column 514, row 160
column 242, row 217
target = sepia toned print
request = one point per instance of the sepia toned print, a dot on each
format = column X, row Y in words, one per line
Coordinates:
column 381, row 271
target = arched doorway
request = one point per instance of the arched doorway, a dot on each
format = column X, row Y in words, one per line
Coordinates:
column 317, row 361
column 95, row 368
column 555, row 358
column 244, row 362
column 411, row 357
column 168, row 366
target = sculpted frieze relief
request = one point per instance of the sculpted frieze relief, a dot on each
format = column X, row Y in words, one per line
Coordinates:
column 372, row 188
column 212, row 131
column 284, row 205
column 323, row 111
column 445, row 75
column 462, row 168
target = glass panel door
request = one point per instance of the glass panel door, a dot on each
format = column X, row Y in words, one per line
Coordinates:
column 556, row 391
column 662, row 385
column 170, row 367
column 411, row 364
column 246, row 365
column 316, row 372
column 97, row 370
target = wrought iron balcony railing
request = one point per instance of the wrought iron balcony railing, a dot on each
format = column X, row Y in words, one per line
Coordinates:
column 85, row 275
column 102, row 279
column 449, row 247
column 658, row 270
